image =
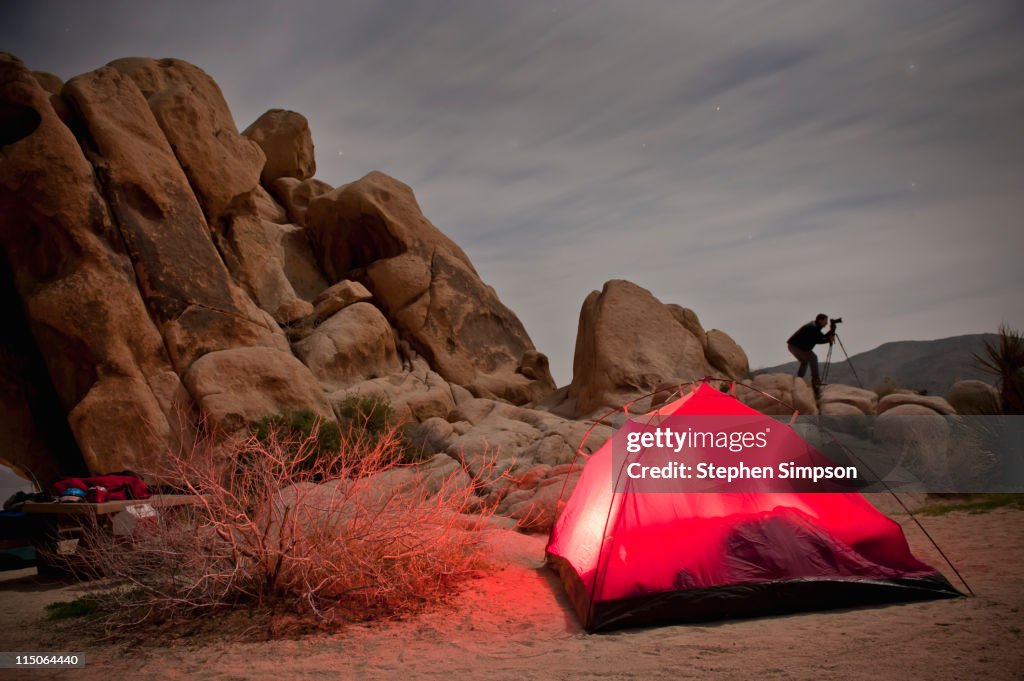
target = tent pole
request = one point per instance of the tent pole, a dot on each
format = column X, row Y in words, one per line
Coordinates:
column 903, row 505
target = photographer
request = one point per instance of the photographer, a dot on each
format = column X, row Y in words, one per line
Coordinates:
column 801, row 345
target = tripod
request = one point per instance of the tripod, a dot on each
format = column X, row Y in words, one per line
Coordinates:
column 828, row 359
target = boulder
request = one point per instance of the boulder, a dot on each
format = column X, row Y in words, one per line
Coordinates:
column 418, row 395
column 287, row 143
column 338, row 297
column 372, row 230
column 257, row 253
column 223, row 169
column 48, row 81
column 690, row 321
column 918, row 439
column 536, row 510
column 865, row 401
column 222, row 166
column 266, row 208
column 296, row 195
column 201, row 311
column 433, row 433
column 239, row 386
column 292, row 311
column 975, row 398
column 300, row 265
column 78, row 289
column 794, row 392
column 628, row 342
column 937, row 404
column 182, row 277
column 725, row 354
column 536, row 383
column 523, row 438
column 352, row 345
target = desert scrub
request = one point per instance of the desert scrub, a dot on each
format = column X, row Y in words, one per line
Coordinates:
column 374, row 418
column 299, row 430
column 294, row 529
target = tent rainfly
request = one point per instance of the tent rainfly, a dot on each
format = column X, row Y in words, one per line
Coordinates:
column 634, row 559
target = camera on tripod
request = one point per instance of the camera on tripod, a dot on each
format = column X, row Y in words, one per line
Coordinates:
column 833, row 322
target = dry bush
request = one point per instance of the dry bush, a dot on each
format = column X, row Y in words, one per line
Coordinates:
column 287, row 527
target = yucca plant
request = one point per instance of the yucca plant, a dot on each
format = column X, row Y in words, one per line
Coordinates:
column 1004, row 358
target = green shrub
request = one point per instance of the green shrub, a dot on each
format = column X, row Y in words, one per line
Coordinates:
column 374, row 418
column 293, row 430
column 374, row 415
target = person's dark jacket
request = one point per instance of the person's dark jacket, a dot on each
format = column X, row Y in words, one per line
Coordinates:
column 807, row 336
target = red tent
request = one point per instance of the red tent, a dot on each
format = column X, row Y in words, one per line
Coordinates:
column 629, row 558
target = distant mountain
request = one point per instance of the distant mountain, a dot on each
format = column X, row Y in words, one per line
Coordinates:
column 932, row 365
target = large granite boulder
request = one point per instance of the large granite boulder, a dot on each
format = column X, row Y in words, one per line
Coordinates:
column 629, row 342
column 296, row 195
column 725, row 355
column 779, row 395
column 975, row 398
column 937, row 404
column 338, row 297
column 223, row 169
column 416, row 395
column 287, row 142
column 352, row 345
column 239, row 386
column 182, row 277
column 918, row 439
column 105, row 357
column 223, row 166
column 864, row 401
column 690, row 321
column 373, row 231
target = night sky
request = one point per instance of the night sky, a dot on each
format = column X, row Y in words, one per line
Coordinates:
column 758, row 162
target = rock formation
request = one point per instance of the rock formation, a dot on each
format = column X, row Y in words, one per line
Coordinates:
column 629, row 342
column 287, row 143
column 105, row 356
column 372, row 231
column 162, row 272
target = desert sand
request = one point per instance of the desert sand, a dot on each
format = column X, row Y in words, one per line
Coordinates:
column 514, row 623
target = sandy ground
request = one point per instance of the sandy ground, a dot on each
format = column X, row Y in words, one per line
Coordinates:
column 516, row 624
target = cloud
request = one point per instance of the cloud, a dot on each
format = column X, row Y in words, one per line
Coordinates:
column 757, row 162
